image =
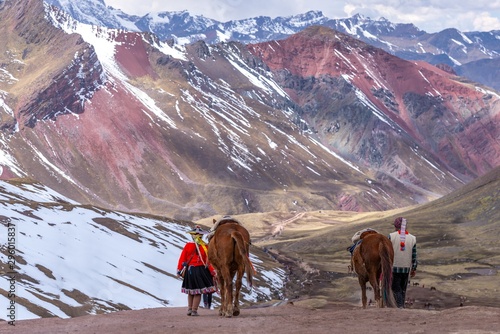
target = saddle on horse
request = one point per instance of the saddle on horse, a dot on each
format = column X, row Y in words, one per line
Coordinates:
column 356, row 239
column 223, row 220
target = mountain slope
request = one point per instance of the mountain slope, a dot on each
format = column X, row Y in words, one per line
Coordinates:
column 131, row 123
column 323, row 71
column 72, row 260
column 458, row 252
column 448, row 293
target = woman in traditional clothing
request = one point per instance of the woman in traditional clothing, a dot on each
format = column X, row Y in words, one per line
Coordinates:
column 197, row 273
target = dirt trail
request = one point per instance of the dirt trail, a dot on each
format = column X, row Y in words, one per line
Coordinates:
column 279, row 227
column 289, row 318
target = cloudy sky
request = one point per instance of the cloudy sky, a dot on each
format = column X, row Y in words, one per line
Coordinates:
column 428, row 15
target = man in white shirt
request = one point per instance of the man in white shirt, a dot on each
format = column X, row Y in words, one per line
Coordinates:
column 405, row 259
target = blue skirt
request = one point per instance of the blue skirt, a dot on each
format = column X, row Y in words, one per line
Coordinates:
column 197, row 281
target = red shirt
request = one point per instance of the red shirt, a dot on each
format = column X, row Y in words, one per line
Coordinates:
column 189, row 252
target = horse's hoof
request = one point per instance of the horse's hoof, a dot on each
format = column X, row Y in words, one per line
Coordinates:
column 236, row 313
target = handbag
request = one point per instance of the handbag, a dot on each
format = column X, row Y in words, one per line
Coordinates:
column 182, row 272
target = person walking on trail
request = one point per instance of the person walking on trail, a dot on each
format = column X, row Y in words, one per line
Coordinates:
column 405, row 259
column 197, row 273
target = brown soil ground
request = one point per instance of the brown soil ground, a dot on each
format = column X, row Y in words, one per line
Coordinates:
column 431, row 311
column 288, row 318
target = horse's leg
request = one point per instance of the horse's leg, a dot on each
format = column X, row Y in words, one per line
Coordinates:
column 229, row 298
column 239, row 279
column 222, row 289
column 375, row 286
column 362, row 284
column 360, row 270
column 225, row 289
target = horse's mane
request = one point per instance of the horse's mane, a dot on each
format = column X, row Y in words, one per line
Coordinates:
column 217, row 223
column 368, row 232
column 361, row 234
column 225, row 219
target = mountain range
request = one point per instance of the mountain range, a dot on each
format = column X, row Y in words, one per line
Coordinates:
column 125, row 121
column 475, row 54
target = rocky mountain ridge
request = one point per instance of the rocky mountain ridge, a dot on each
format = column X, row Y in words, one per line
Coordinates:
column 474, row 54
column 133, row 123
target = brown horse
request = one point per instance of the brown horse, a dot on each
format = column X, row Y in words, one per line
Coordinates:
column 228, row 253
column 372, row 260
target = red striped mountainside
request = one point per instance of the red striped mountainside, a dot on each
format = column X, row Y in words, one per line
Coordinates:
column 317, row 121
column 453, row 121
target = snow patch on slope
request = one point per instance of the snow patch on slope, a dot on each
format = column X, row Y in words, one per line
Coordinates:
column 115, row 260
column 104, row 43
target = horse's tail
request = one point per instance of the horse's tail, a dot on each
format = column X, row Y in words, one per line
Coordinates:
column 386, row 284
column 240, row 243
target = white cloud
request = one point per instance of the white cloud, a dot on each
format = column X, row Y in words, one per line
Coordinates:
column 485, row 22
column 428, row 15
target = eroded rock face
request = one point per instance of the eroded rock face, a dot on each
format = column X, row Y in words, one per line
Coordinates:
column 53, row 73
column 338, row 83
column 67, row 91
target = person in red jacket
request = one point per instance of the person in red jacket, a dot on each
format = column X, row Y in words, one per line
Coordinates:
column 198, row 273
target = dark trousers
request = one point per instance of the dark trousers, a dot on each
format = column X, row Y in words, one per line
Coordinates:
column 207, row 299
column 399, row 285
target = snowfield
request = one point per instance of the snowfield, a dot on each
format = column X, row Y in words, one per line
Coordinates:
column 72, row 260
